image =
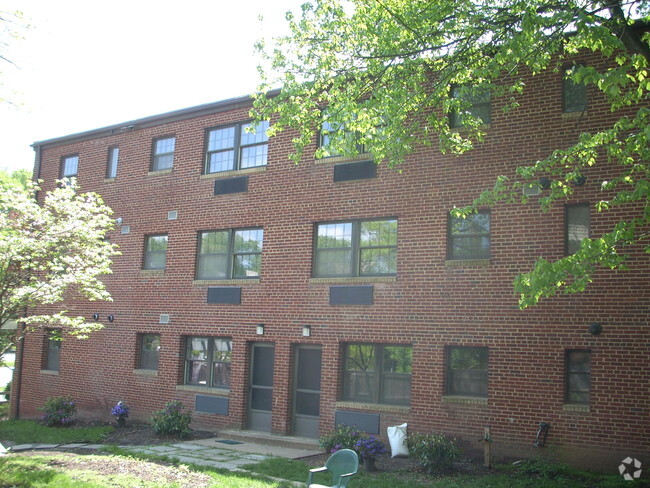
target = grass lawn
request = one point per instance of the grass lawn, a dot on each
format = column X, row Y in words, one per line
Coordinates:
column 31, row 432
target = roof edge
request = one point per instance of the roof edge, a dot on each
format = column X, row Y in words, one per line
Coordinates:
column 153, row 120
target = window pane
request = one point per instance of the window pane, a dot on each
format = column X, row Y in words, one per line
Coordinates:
column 213, row 266
column 163, row 162
column 574, row 94
column 254, row 156
column 247, row 265
column 197, row 372
column 248, row 240
column 221, row 375
column 222, row 161
column 577, row 226
column 214, row 242
column 156, row 260
column 219, row 139
column 470, row 248
column 164, row 146
column 70, row 165
column 397, row 359
column 157, row 243
column 378, row 261
column 379, row 233
column 113, row 156
column 149, row 351
column 197, row 348
column 222, row 350
column 333, row 263
column 478, row 104
column 470, row 237
column 257, row 137
column 468, row 367
column 334, row 235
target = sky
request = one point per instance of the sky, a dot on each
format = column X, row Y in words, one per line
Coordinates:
column 82, row 65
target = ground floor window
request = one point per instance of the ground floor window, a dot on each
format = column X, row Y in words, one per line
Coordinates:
column 578, row 376
column 207, row 361
column 467, row 371
column 377, row 373
column 52, row 350
column 149, row 349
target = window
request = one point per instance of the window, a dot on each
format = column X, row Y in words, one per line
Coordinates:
column 155, row 253
column 574, row 95
column 228, row 254
column 52, row 350
column 358, row 248
column 467, row 371
column 576, row 226
column 207, row 362
column 163, row 153
column 578, row 376
column 111, row 167
column 469, row 238
column 474, row 101
column 334, row 136
column 234, row 147
column 149, row 349
column 69, row 166
column 377, row 373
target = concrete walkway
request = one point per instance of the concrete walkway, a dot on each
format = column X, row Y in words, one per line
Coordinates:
column 216, row 453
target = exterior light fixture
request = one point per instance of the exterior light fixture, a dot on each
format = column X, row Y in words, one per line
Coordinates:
column 259, row 330
column 544, row 183
column 579, row 180
column 306, row 330
column 111, row 318
column 595, row 329
column 96, row 316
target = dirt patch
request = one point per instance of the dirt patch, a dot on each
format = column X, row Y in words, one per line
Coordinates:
column 142, row 434
column 118, row 465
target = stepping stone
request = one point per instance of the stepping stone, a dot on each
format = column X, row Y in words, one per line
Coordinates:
column 92, row 446
column 46, row 446
column 22, row 447
column 189, row 447
column 162, row 449
column 72, row 446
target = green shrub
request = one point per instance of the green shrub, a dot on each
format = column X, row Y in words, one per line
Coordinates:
column 172, row 420
column 435, row 452
column 58, row 411
column 7, row 392
column 343, row 437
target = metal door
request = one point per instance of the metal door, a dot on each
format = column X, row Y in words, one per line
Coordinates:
column 261, row 387
column 306, row 397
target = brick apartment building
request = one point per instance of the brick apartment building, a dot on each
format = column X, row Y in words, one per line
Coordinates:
column 286, row 298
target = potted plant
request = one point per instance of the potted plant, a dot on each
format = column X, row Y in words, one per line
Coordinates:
column 368, row 448
column 121, row 411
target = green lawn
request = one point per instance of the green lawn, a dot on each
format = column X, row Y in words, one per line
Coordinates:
column 30, row 432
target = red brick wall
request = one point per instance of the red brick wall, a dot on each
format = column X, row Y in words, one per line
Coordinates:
column 429, row 305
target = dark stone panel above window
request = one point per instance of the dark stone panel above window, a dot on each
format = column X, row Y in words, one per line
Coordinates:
column 366, row 422
column 355, row 171
column 238, row 184
column 351, row 295
column 211, row 404
column 224, row 294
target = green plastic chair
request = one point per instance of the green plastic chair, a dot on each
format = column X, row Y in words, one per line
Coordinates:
column 342, row 465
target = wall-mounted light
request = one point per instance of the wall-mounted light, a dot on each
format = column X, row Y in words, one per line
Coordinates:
column 259, row 329
column 595, row 328
column 96, row 316
column 306, row 330
column 119, row 220
column 111, row 318
column 579, row 180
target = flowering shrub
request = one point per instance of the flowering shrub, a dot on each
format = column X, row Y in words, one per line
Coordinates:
column 172, row 420
column 343, row 437
column 435, row 452
column 59, row 411
column 369, row 447
column 121, row 411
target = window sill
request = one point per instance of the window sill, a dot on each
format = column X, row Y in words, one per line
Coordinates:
column 243, row 281
column 50, row 372
column 464, row 400
column 145, row 372
column 354, row 279
column 160, row 172
column 152, row 271
column 345, row 159
column 233, row 172
column 109, row 180
column 574, row 115
column 576, row 407
column 477, row 263
column 204, row 389
column 375, row 407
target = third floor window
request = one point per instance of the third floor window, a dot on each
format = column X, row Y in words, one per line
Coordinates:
column 163, row 153
column 229, row 254
column 234, row 147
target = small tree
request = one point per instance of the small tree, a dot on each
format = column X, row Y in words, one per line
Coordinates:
column 49, row 251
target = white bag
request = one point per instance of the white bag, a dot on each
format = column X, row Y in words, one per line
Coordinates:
column 397, row 439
